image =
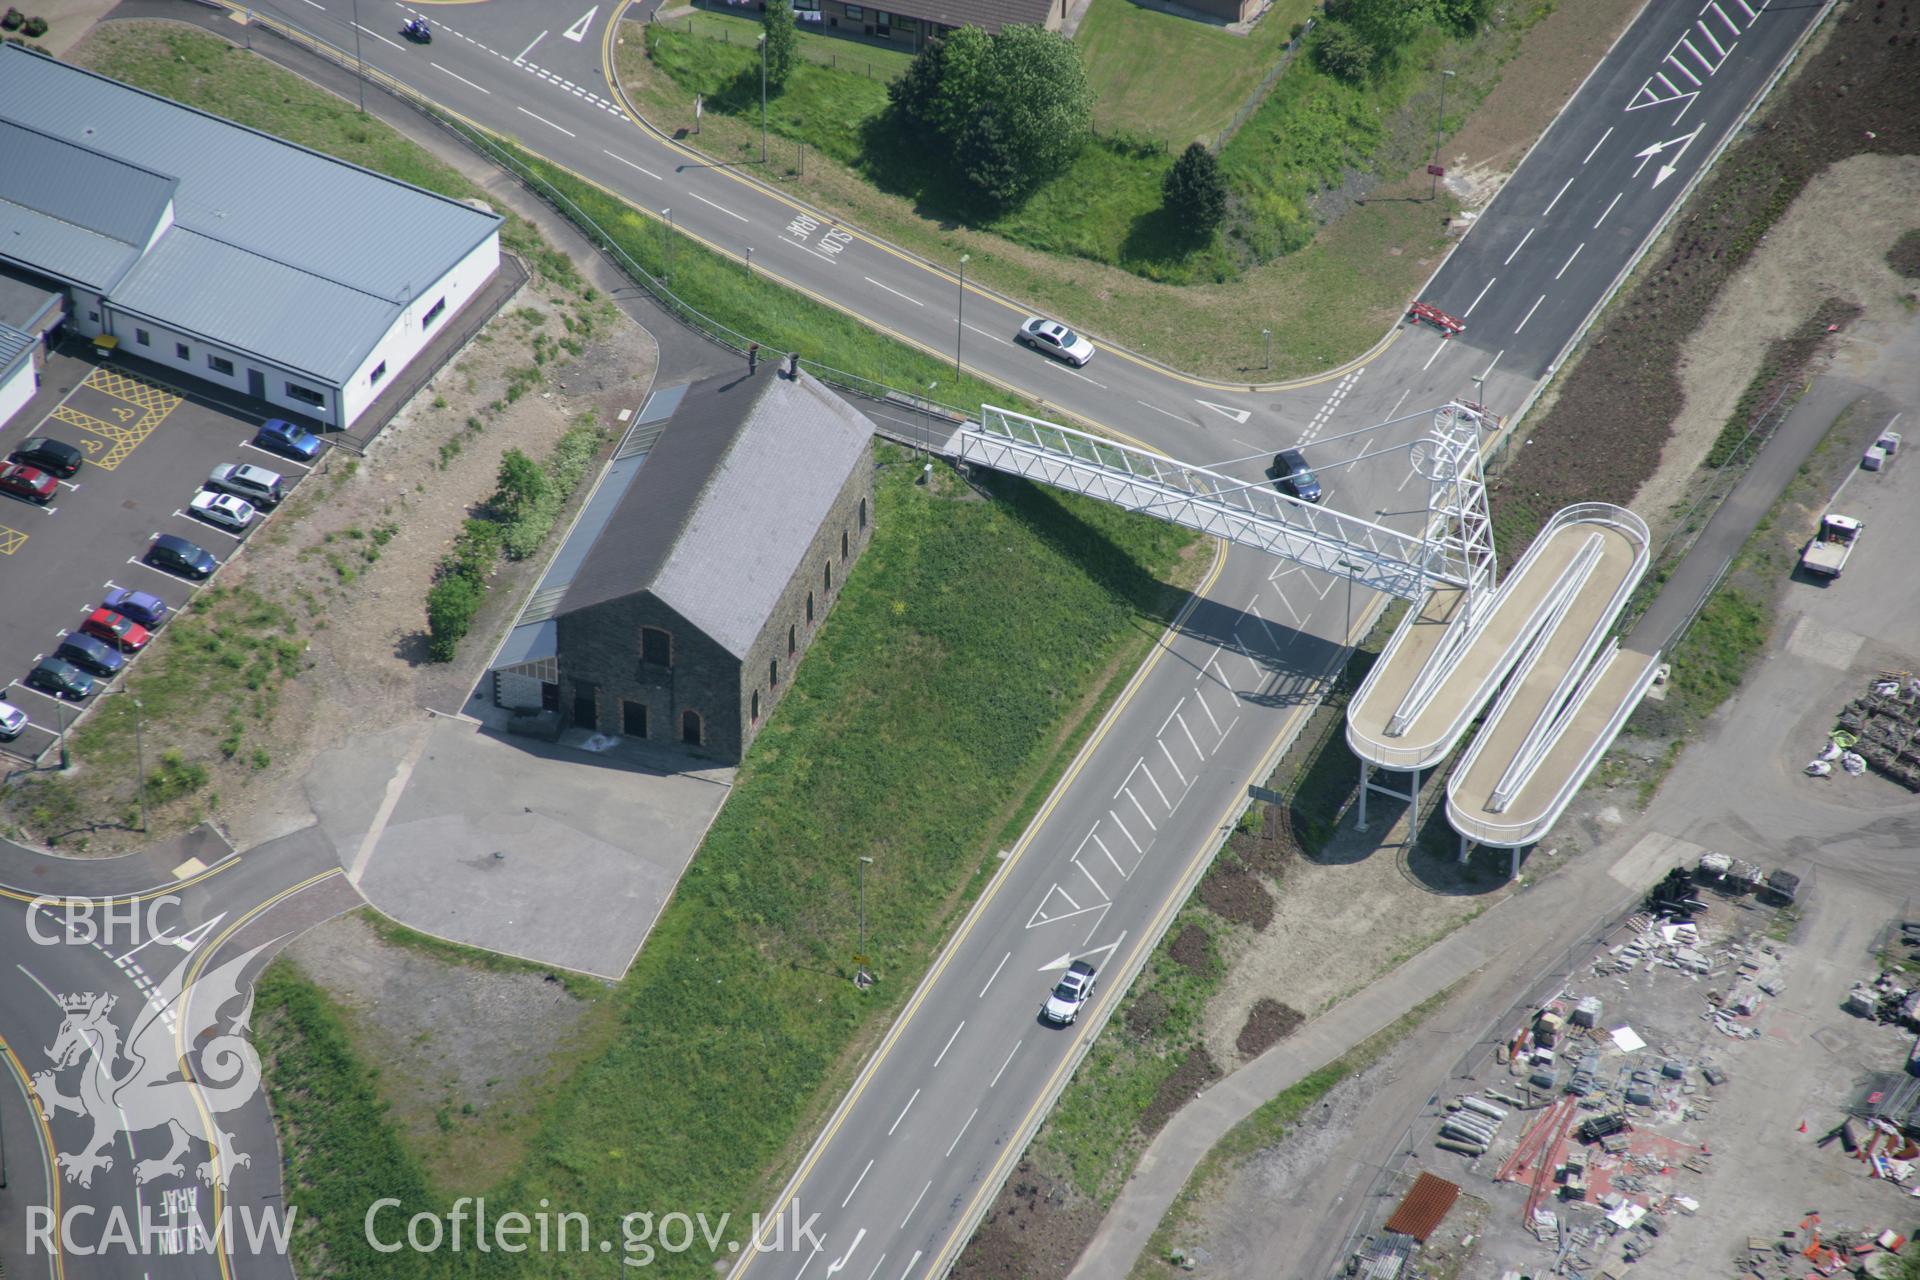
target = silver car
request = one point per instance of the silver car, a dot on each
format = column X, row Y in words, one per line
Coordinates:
column 222, row 510
column 1055, row 339
column 13, row 722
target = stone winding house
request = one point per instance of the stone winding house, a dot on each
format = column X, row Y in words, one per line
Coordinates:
column 716, row 569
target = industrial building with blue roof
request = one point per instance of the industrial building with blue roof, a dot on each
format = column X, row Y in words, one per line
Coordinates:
column 240, row 258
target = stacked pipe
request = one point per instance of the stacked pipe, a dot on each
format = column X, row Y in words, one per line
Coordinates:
column 1470, row 1128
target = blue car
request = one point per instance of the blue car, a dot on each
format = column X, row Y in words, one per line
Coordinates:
column 142, row 607
column 177, row 555
column 277, row 435
column 95, row 657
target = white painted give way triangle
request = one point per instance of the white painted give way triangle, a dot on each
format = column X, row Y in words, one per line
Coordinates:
column 578, row 31
column 1238, row 415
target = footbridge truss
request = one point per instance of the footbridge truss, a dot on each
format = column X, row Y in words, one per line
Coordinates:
column 1543, row 634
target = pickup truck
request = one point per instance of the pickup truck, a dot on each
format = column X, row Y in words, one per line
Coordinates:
column 1827, row 554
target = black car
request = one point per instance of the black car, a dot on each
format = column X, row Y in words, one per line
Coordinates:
column 91, row 655
column 61, row 679
column 1292, row 475
column 177, row 555
column 55, row 457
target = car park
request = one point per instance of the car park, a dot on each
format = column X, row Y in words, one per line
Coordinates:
column 1069, row 995
column 13, row 722
column 257, row 485
column 116, row 629
column 1292, row 475
column 61, row 679
column 55, row 457
column 95, row 657
column 142, row 607
column 1052, row 338
column 27, row 482
column 289, row 440
column 176, row 555
column 222, row 510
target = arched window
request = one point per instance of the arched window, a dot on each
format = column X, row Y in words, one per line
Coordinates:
column 809, row 608
column 773, row 672
column 792, row 641
column 826, row 581
column 756, row 706
column 863, row 513
column 690, row 728
column 845, row 546
column 656, row 647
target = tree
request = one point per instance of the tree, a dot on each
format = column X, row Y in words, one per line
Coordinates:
column 1195, row 192
column 1385, row 25
column 783, row 45
column 1342, row 53
column 520, row 485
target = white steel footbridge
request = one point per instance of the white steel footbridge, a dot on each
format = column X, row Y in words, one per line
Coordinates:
column 1540, row 640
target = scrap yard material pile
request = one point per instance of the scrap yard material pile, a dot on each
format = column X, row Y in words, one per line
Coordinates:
column 1884, row 728
column 1812, row 1248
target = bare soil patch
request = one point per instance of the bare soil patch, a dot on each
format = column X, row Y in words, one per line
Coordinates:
column 1196, row 1071
column 1828, row 259
column 1268, row 1023
column 1236, row 895
column 465, row 1054
column 1604, row 434
column 1192, row 948
column 425, row 475
column 1037, row 1227
column 1904, row 257
column 1147, row 1014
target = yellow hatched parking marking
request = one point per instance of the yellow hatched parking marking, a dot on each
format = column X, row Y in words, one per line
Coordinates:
column 151, row 396
column 121, row 441
column 11, row 540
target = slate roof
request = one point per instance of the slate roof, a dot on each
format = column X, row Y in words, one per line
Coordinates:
column 730, row 499
column 105, row 149
column 14, row 346
column 990, row 15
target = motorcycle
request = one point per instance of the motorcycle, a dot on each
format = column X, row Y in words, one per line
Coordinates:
column 418, row 31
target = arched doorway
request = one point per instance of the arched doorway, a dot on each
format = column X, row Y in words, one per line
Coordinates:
column 690, row 728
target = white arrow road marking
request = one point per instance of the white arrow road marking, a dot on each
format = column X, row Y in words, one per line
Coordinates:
column 1666, row 170
column 576, row 33
column 1069, row 958
column 1238, row 415
column 858, row 1236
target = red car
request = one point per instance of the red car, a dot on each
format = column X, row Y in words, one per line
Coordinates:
column 116, row 629
column 27, row 482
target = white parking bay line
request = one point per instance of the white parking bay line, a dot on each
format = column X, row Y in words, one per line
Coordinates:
column 278, row 460
column 996, row 972
column 462, row 79
column 903, row 1112
column 543, row 120
column 895, row 292
column 722, row 208
column 377, row 36
column 632, row 165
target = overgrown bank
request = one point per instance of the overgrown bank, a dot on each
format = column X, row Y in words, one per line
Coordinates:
column 1613, row 411
column 906, row 738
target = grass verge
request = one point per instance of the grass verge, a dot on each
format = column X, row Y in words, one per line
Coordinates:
column 392, row 931
column 1267, row 1127
column 339, row 1151
column 905, row 738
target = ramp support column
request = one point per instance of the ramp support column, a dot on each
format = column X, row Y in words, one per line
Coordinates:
column 1513, row 869
column 1466, row 850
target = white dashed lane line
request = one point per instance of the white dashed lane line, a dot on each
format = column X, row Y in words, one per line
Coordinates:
column 895, row 292
column 722, row 208
column 550, row 124
column 462, row 79
column 631, row 165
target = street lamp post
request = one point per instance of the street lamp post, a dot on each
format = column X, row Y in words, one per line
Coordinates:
column 60, row 709
column 862, row 978
column 359, row 63
column 666, row 247
column 1267, row 334
column 763, row 97
column 959, row 315
column 139, row 763
column 1439, row 122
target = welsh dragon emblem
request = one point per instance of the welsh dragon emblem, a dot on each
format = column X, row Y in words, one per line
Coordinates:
column 142, row 1084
